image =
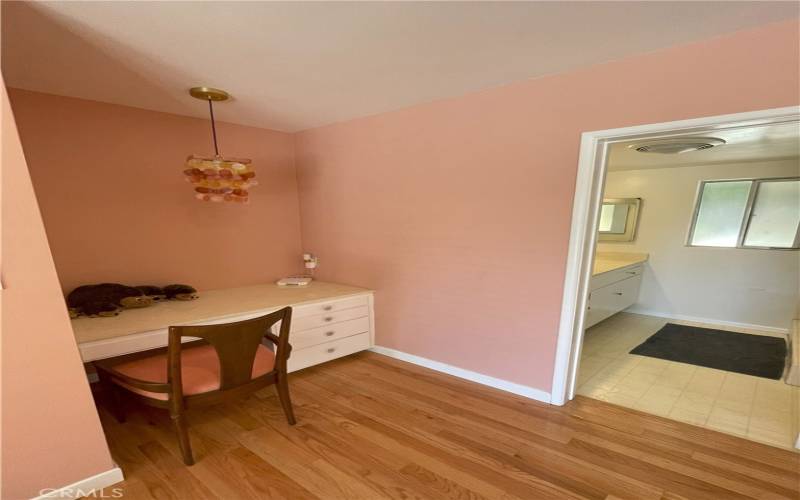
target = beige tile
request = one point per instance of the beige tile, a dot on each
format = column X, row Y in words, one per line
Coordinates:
column 772, row 422
column 651, row 366
column 727, row 420
column 641, row 378
column 632, row 392
column 727, row 427
column 738, row 388
column 706, row 381
column 592, row 391
column 739, row 406
column 774, row 394
column 632, row 386
column 676, row 376
column 601, row 382
column 695, row 402
column 784, row 440
column 658, row 400
column 764, row 410
column 619, row 399
column 688, row 416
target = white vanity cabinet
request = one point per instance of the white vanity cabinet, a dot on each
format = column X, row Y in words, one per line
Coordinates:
column 612, row 291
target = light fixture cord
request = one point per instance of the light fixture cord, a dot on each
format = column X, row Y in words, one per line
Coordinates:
column 213, row 126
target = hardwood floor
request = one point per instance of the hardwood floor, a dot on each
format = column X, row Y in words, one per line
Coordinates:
column 373, row 427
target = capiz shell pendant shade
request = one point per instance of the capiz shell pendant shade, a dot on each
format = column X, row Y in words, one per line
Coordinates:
column 218, row 178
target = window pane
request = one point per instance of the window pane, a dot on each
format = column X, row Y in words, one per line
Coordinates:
column 722, row 206
column 775, row 215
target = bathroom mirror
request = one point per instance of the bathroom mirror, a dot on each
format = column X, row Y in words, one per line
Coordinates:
column 618, row 219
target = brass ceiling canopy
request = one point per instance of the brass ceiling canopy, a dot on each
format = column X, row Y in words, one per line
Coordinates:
column 209, row 94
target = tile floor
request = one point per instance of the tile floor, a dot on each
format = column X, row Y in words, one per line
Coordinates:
column 760, row 409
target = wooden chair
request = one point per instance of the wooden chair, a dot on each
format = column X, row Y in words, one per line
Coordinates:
column 228, row 361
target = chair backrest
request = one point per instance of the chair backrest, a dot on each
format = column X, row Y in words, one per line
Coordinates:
column 235, row 344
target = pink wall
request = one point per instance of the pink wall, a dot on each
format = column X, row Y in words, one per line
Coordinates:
column 457, row 212
column 111, row 190
column 48, row 414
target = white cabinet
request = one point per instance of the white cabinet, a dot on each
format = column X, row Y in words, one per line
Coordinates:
column 612, row 292
column 328, row 330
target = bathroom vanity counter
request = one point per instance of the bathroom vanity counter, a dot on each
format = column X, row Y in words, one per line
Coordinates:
column 614, row 286
column 612, row 261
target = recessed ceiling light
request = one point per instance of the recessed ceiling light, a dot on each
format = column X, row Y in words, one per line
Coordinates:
column 677, row 145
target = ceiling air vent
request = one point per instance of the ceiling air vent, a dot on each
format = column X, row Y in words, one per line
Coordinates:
column 677, row 145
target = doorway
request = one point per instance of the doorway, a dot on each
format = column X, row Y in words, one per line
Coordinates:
column 589, row 212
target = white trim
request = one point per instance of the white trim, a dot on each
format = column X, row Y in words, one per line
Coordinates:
column 84, row 487
column 503, row 385
column 588, row 193
column 756, row 329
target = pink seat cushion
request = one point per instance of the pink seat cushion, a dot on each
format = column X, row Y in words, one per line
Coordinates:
column 199, row 370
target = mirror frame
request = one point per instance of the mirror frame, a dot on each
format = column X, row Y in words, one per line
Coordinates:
column 634, row 204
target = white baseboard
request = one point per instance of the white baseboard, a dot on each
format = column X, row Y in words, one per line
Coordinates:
column 762, row 329
column 85, row 487
column 503, row 385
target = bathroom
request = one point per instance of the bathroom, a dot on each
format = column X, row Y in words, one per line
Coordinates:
column 693, row 298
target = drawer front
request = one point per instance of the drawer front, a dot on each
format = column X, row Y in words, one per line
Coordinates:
column 330, row 306
column 336, row 331
column 302, row 358
column 612, row 299
column 319, row 320
column 605, row 279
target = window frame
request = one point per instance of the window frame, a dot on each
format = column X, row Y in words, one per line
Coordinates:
column 745, row 224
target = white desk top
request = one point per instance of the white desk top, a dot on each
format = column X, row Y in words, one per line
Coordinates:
column 611, row 261
column 212, row 304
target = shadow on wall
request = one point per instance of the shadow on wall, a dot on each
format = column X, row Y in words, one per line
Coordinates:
column 28, row 28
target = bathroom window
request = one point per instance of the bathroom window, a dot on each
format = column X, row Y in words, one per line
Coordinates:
column 747, row 213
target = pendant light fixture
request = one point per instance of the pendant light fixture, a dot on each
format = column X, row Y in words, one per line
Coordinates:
column 219, row 178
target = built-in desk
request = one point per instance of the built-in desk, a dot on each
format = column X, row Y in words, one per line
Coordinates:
column 329, row 320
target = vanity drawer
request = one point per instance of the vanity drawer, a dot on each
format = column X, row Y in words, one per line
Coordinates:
column 605, row 279
column 329, row 318
column 331, row 306
column 336, row 331
column 302, row 358
column 612, row 299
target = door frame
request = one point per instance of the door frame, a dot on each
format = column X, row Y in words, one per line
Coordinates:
column 585, row 212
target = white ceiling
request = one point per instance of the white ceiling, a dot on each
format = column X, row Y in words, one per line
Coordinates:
column 297, row 65
column 757, row 143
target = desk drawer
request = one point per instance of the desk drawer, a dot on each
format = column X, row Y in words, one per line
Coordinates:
column 319, row 320
column 328, row 333
column 330, row 306
column 302, row 358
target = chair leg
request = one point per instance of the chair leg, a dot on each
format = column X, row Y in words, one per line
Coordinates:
column 117, row 404
column 181, row 428
column 282, row 385
column 113, row 397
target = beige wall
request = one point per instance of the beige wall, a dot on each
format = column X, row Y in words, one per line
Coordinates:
column 458, row 212
column 51, row 432
column 754, row 288
column 116, row 207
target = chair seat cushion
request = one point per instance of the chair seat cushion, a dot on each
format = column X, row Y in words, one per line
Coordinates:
column 199, row 370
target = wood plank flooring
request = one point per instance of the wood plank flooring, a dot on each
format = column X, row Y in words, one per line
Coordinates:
column 372, row 427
